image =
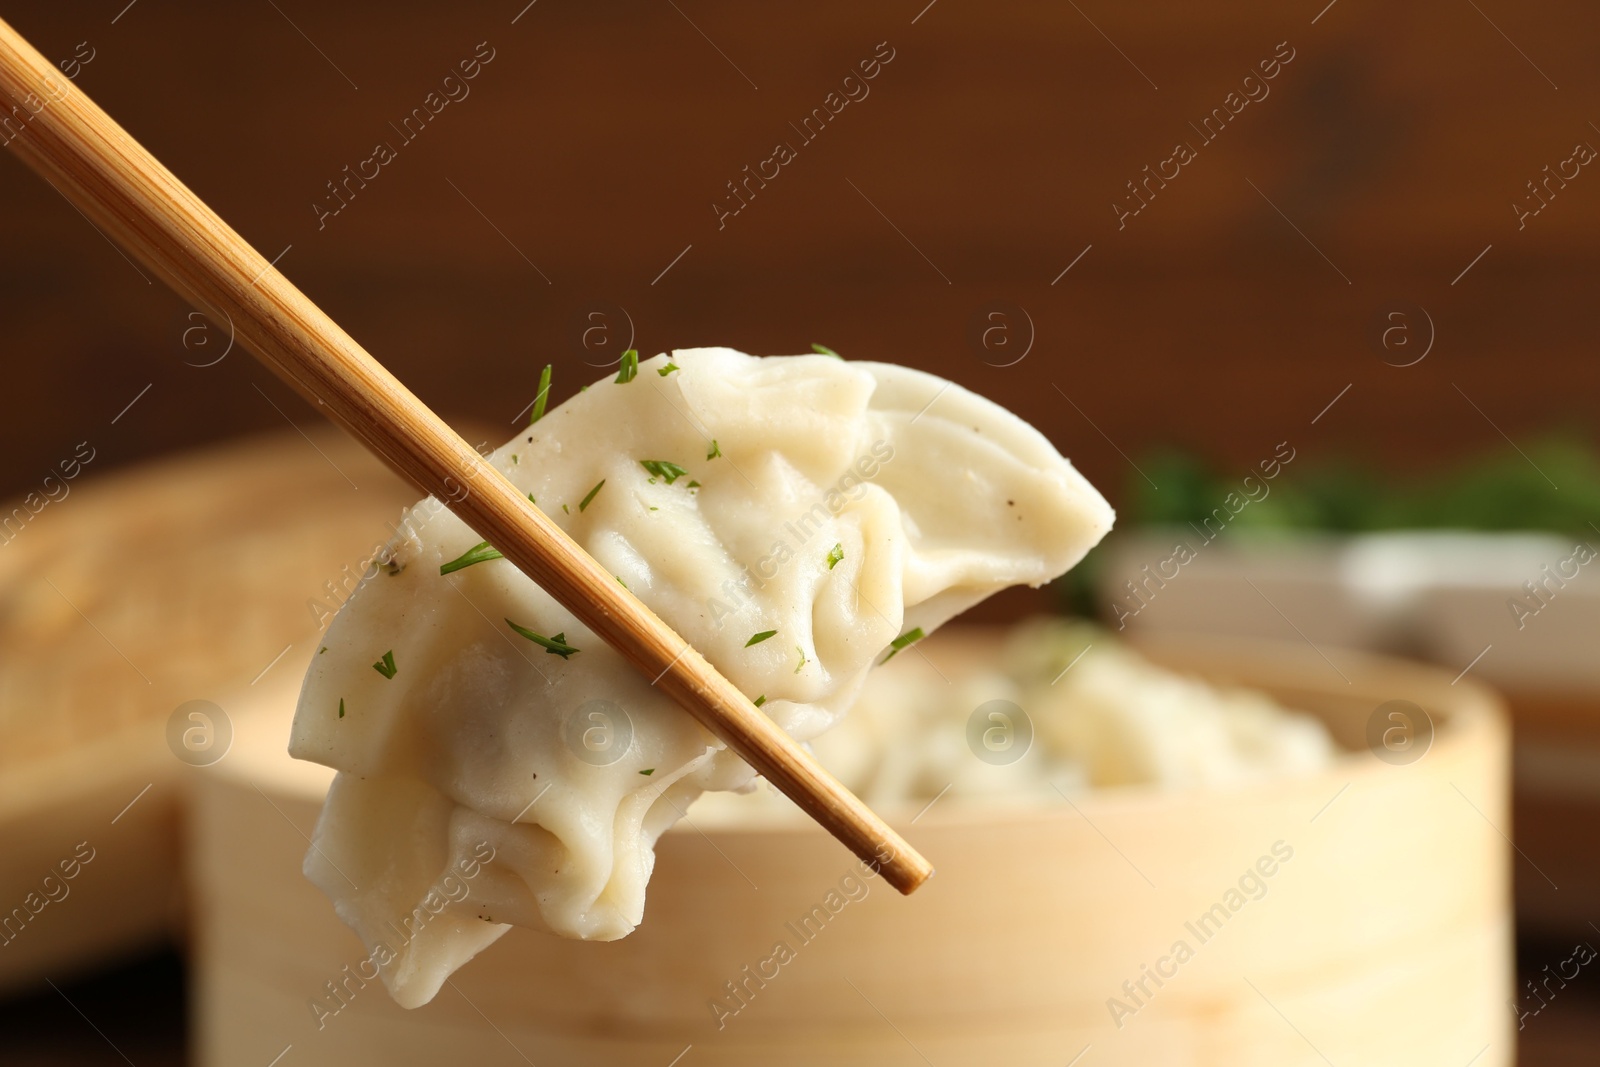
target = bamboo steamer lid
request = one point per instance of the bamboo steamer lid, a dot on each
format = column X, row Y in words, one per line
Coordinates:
column 138, row 591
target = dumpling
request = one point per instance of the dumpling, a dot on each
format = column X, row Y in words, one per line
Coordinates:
column 1099, row 714
column 795, row 518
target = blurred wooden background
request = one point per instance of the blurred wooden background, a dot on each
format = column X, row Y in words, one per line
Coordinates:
column 588, row 154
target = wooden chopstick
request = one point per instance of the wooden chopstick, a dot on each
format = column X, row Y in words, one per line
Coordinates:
column 76, row 146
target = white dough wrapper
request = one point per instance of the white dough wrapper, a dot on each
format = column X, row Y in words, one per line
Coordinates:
column 483, row 785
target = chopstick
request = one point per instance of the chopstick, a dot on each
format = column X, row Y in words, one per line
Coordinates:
column 105, row 173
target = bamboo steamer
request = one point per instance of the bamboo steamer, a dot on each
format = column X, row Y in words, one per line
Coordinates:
column 137, row 591
column 1385, row 939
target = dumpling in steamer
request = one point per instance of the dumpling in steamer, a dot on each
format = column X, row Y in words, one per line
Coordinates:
column 794, row 518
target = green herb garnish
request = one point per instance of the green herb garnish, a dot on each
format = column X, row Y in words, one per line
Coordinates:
column 620, row 582
column 630, row 366
column 585, row 501
column 648, row 771
column 564, row 510
column 556, row 646
column 824, row 350
column 756, row 639
column 478, row 553
column 341, row 707
column 835, row 554
column 668, row 369
column 321, row 650
column 514, row 459
column 802, row 662
column 715, row 451
column 760, row 700
column 664, row 469
column 905, row 640
column 544, row 395
column 385, row 666
column 694, row 485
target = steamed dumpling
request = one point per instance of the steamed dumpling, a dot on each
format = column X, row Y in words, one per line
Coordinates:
column 498, row 763
column 1099, row 715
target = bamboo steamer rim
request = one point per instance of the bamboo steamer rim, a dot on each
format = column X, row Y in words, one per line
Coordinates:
column 1466, row 715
